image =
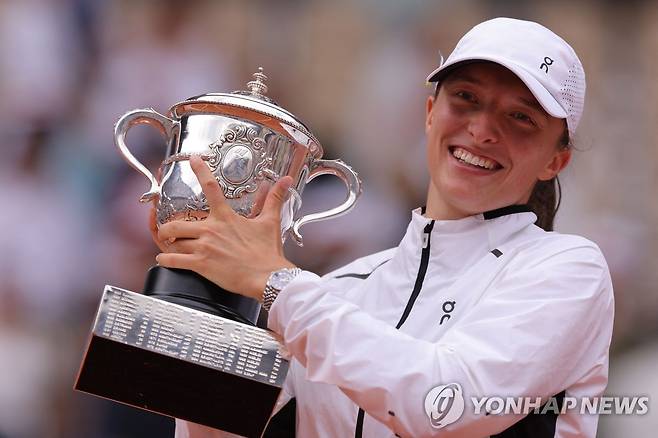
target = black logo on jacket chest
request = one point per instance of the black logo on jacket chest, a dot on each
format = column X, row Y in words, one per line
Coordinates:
column 448, row 307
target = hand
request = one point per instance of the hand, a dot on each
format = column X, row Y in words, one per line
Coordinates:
column 153, row 220
column 235, row 252
column 153, row 227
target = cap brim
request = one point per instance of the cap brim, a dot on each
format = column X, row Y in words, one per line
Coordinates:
column 545, row 99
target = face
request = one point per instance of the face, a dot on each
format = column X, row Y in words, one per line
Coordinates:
column 488, row 142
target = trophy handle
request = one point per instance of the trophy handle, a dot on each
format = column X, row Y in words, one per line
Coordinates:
column 147, row 116
column 352, row 182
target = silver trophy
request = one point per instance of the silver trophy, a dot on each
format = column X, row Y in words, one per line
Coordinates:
column 185, row 347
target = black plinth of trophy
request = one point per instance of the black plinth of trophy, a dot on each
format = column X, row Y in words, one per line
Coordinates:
column 194, row 356
column 191, row 290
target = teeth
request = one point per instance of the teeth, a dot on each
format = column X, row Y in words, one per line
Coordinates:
column 469, row 158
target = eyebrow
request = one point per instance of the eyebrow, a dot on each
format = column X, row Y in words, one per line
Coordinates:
column 463, row 77
column 533, row 104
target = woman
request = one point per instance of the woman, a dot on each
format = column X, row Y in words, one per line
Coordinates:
column 478, row 300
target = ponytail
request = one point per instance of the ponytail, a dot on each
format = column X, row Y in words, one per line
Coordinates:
column 545, row 201
column 547, row 195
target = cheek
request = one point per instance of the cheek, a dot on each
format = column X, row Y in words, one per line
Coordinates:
column 529, row 167
column 444, row 124
column 447, row 117
column 431, row 151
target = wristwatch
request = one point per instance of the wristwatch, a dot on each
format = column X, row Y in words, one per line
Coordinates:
column 277, row 281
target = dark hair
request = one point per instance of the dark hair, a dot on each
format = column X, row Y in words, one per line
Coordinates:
column 546, row 195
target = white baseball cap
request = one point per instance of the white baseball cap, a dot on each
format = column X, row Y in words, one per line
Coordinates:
column 546, row 64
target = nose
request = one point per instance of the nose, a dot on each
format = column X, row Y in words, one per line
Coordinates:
column 483, row 128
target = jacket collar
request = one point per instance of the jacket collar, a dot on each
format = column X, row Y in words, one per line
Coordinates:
column 459, row 242
column 498, row 212
column 505, row 211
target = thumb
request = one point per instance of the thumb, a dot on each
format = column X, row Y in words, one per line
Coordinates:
column 277, row 196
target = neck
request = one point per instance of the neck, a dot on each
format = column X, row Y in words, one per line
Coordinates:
column 437, row 208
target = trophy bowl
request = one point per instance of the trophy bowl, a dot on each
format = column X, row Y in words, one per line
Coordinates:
column 248, row 142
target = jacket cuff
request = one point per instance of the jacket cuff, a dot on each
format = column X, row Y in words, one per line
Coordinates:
column 280, row 312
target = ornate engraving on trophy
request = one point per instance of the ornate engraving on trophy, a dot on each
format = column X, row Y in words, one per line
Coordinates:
column 196, row 207
column 165, row 209
column 239, row 160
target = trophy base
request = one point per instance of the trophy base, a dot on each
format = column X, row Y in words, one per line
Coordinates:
column 182, row 363
column 190, row 289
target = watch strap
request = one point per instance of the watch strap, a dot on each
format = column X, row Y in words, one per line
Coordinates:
column 272, row 291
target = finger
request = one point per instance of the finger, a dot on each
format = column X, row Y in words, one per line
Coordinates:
column 277, row 196
column 210, row 186
column 153, row 221
column 153, row 227
column 184, row 246
column 259, row 197
column 179, row 230
column 176, row 261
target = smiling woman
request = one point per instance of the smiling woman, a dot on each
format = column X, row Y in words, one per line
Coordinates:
column 490, row 143
column 477, row 301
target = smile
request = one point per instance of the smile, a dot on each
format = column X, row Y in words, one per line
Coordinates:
column 474, row 160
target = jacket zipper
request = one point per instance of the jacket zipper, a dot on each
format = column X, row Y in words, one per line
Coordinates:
column 422, row 270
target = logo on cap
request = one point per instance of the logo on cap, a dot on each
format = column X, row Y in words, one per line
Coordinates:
column 544, row 65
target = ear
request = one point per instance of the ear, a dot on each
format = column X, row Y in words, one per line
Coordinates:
column 558, row 162
column 428, row 113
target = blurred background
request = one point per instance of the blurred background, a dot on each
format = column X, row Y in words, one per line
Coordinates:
column 354, row 72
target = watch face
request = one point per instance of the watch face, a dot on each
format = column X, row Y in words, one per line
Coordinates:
column 281, row 278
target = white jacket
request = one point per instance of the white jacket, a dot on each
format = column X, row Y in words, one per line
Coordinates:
column 490, row 302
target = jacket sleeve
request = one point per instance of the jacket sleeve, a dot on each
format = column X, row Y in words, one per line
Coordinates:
column 187, row 429
column 526, row 337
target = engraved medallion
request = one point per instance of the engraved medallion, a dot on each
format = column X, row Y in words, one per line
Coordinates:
column 239, row 160
column 238, row 164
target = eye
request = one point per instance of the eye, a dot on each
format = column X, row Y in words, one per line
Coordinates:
column 517, row 115
column 466, row 95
